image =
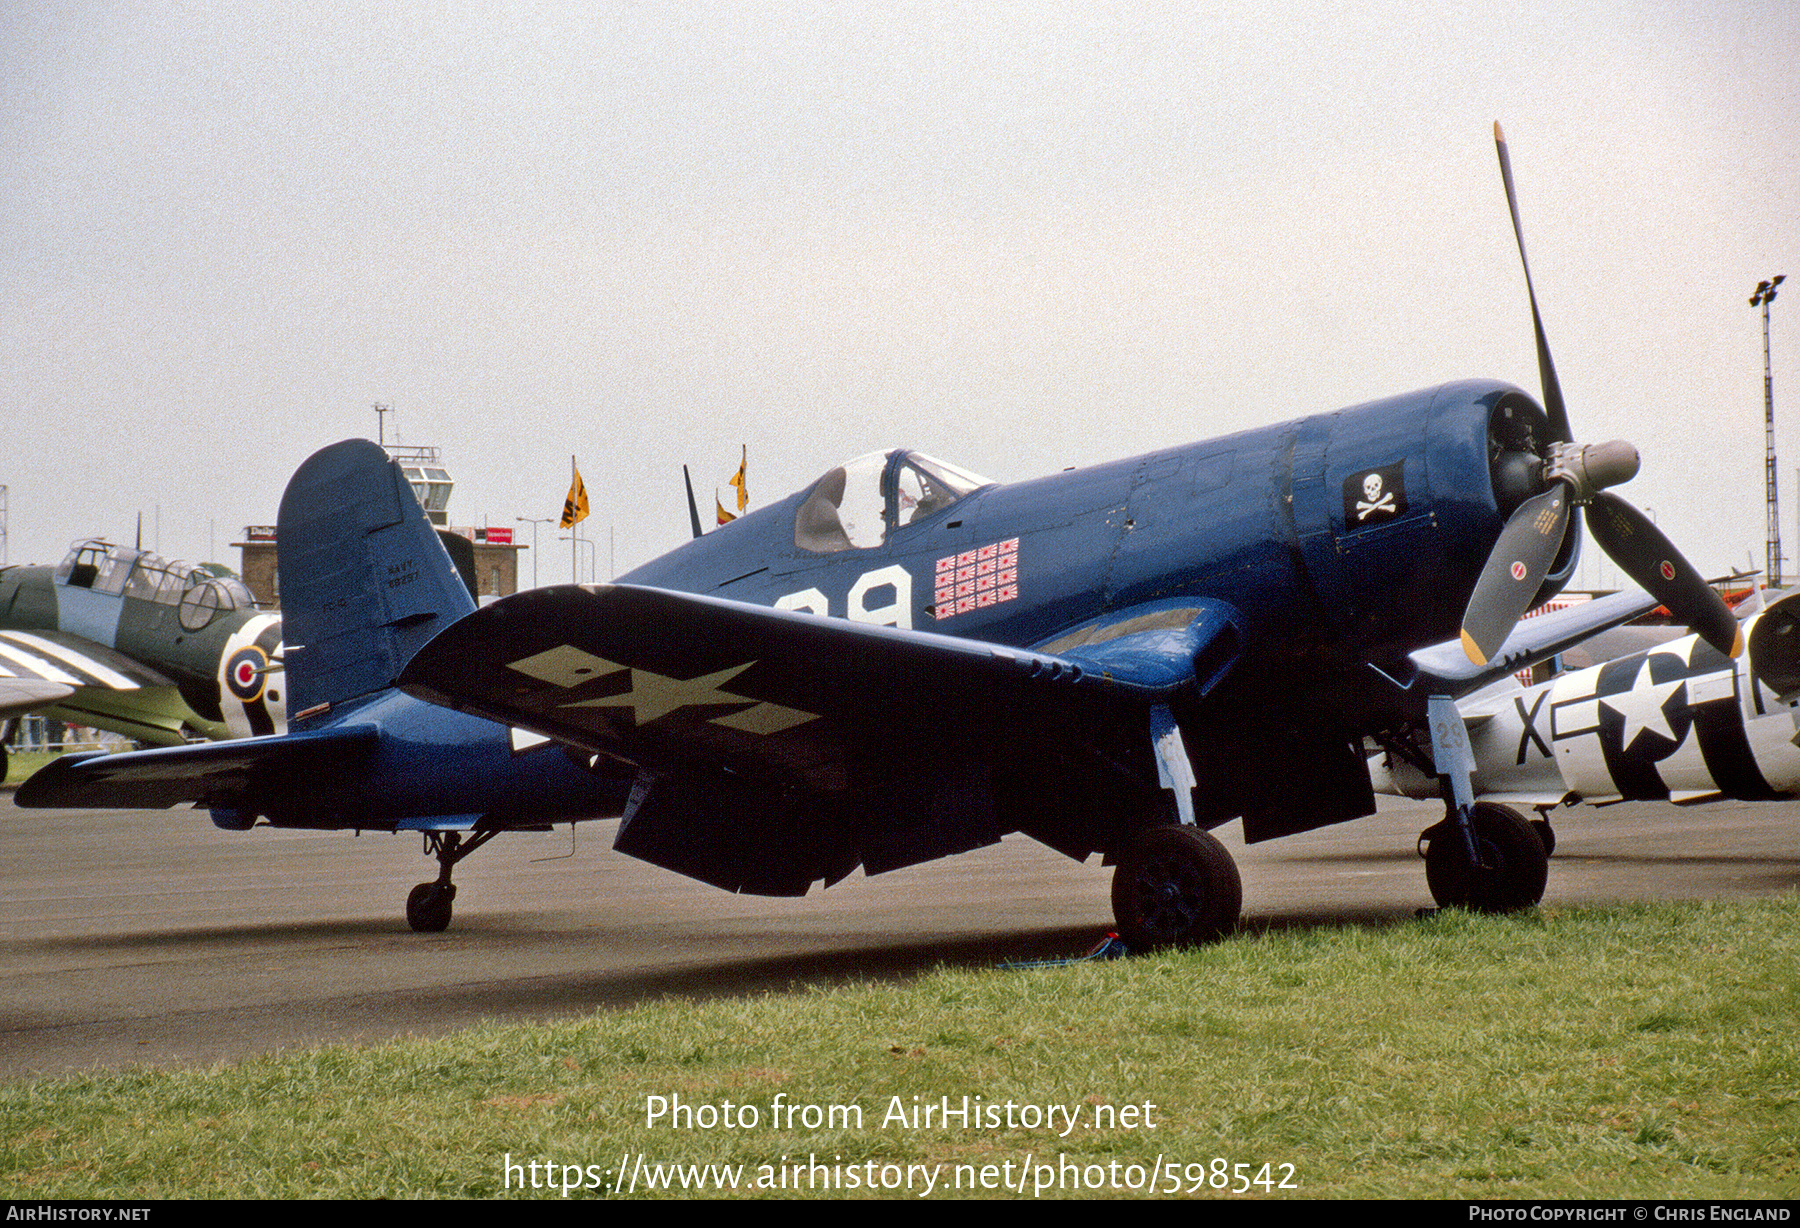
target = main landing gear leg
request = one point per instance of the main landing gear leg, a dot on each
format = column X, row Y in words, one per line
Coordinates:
column 1174, row 884
column 1481, row 857
column 428, row 905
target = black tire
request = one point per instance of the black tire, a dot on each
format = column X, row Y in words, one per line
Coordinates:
column 1175, row 886
column 1515, row 870
column 428, row 907
column 1546, row 835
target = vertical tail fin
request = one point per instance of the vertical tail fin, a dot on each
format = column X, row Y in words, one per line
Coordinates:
column 364, row 580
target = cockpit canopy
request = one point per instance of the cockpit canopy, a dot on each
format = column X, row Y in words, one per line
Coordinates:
column 124, row 571
column 856, row 505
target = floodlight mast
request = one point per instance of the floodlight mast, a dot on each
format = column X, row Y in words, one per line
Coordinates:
column 1764, row 295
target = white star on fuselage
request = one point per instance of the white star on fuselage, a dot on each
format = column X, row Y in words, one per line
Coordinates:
column 1642, row 705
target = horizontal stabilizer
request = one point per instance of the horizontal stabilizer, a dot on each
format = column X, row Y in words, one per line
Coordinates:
column 213, row 774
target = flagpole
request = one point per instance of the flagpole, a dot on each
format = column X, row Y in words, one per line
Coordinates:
column 575, row 510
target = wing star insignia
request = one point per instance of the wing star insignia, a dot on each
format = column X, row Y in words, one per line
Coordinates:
column 564, row 666
column 653, row 696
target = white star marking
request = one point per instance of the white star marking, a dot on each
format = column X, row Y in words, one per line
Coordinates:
column 1642, row 705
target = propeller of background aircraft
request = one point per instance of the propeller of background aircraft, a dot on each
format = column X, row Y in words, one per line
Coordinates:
column 1577, row 475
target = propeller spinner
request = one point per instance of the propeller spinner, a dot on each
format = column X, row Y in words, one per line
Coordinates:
column 1577, row 475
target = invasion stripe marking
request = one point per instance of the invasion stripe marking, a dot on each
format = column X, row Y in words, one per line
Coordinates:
column 70, row 657
column 37, row 665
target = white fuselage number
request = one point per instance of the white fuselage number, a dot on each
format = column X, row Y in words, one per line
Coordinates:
column 895, row 613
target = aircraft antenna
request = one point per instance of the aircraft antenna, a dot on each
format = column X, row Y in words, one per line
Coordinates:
column 693, row 512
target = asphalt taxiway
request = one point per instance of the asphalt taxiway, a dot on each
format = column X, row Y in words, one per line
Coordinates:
column 155, row 938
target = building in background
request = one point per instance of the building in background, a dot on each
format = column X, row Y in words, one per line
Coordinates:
column 496, row 554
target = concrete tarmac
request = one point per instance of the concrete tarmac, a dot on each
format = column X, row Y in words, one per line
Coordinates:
column 154, row 938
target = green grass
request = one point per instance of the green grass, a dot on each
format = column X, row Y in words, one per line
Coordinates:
column 22, row 763
column 1644, row 1052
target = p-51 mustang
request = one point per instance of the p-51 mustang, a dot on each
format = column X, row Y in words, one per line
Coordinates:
column 365, row 581
column 122, row 639
column 1110, row 660
column 1677, row 722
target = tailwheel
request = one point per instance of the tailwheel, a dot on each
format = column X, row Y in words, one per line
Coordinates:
column 1175, row 886
column 428, row 907
column 1513, row 862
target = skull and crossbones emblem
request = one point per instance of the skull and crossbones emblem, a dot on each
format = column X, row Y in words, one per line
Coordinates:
column 1374, row 498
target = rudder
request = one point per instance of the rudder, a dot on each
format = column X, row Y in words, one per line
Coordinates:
column 365, row 582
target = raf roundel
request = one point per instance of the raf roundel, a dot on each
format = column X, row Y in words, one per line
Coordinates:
column 245, row 672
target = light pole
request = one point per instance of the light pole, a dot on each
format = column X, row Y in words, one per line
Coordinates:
column 534, row 523
column 1765, row 294
column 581, row 541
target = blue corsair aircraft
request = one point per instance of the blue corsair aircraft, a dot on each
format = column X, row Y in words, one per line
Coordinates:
column 905, row 661
column 365, row 581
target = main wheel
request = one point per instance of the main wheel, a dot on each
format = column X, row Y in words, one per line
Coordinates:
column 1514, row 864
column 1175, row 885
column 428, row 907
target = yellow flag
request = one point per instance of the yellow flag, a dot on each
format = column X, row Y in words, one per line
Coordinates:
column 575, row 507
column 743, row 498
column 725, row 517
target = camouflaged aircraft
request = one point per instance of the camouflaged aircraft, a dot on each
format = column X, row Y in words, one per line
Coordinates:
column 122, row 639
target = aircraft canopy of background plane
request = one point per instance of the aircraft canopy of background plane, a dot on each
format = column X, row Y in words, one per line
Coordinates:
column 101, row 567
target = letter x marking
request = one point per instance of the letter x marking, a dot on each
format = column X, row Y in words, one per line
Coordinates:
column 1530, row 719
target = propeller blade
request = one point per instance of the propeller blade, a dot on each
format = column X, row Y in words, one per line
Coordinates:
column 1515, row 571
column 1553, row 398
column 1633, row 541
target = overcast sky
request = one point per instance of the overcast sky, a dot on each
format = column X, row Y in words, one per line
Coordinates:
column 1018, row 236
